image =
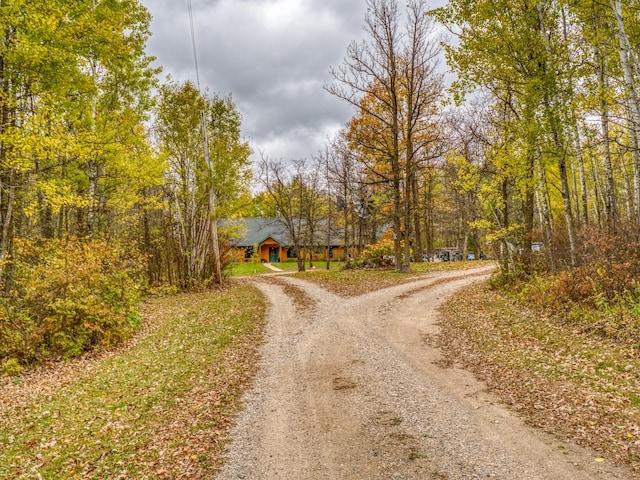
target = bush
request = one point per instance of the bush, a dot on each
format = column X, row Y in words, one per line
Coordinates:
column 600, row 295
column 380, row 254
column 11, row 367
column 67, row 297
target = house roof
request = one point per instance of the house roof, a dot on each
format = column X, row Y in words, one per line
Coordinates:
column 257, row 230
column 254, row 231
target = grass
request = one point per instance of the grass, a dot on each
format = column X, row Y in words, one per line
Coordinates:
column 244, row 269
column 423, row 267
column 562, row 379
column 157, row 409
column 354, row 282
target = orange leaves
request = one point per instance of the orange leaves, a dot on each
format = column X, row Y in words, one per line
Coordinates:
column 68, row 296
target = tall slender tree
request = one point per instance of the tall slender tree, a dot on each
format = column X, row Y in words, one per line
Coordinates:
column 390, row 78
column 188, row 177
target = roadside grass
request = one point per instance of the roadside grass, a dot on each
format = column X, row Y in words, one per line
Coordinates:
column 291, row 266
column 158, row 408
column 357, row 281
column 244, row 269
column 423, row 267
column 559, row 376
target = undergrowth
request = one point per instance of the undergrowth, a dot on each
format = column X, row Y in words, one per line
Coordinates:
column 159, row 408
column 63, row 297
column 565, row 376
column 599, row 295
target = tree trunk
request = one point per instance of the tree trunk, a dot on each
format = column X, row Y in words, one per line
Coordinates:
column 629, row 80
column 583, row 179
column 610, row 207
column 545, row 220
column 418, row 245
column 552, row 105
column 635, row 155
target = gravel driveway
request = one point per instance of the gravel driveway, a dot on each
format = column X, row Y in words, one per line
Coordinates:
column 350, row 389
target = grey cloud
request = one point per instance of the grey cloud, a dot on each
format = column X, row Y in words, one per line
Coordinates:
column 273, row 56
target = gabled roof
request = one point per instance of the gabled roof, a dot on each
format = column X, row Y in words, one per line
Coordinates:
column 254, row 231
column 257, row 230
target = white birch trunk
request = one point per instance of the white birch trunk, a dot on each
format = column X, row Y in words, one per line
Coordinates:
column 630, row 84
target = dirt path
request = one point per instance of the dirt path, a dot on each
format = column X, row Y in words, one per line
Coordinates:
column 350, row 389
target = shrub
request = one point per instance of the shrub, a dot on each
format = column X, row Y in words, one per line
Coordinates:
column 379, row 254
column 67, row 297
column 600, row 295
column 11, row 367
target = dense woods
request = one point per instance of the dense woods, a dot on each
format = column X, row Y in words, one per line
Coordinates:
column 549, row 145
column 102, row 177
column 532, row 157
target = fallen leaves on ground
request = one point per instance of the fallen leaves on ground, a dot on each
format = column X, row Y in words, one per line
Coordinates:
column 159, row 408
column 358, row 281
column 301, row 299
column 564, row 381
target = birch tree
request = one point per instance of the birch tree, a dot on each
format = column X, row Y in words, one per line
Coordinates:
column 515, row 52
column 178, row 135
column 74, row 87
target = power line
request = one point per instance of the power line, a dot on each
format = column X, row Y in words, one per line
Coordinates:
column 211, row 197
column 193, row 42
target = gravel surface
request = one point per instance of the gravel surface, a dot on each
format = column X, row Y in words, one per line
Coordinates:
column 351, row 389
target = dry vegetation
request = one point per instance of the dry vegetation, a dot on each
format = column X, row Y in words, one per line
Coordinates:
column 300, row 298
column 159, row 408
column 560, row 376
column 354, row 282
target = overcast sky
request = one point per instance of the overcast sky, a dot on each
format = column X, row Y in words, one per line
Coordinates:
column 272, row 56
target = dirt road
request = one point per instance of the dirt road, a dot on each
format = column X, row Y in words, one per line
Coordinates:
column 351, row 389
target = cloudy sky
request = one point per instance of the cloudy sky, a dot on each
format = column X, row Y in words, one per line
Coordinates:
column 272, row 56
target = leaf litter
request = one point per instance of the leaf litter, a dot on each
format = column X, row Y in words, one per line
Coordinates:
column 86, row 419
column 578, row 386
column 159, row 407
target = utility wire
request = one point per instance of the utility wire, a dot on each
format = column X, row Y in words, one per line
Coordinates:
column 213, row 225
column 193, row 43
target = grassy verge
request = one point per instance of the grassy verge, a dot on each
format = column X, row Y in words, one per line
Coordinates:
column 244, row 269
column 157, row 409
column 358, row 281
column 557, row 375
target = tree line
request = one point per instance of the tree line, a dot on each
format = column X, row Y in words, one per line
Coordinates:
column 531, row 154
column 103, row 181
column 551, row 147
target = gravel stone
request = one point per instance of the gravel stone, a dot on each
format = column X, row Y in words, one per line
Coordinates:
column 352, row 389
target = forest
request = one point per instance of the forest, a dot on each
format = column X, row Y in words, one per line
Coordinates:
column 108, row 193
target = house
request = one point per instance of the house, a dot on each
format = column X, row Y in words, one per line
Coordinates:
column 268, row 240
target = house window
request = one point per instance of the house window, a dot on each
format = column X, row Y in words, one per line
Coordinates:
column 292, row 253
column 248, row 252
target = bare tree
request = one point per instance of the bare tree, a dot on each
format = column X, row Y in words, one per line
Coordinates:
column 286, row 186
column 423, row 88
column 344, row 172
column 395, row 72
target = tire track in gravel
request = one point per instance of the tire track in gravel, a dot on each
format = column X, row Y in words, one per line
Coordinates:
column 350, row 389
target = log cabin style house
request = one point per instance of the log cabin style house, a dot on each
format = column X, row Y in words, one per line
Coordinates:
column 267, row 240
